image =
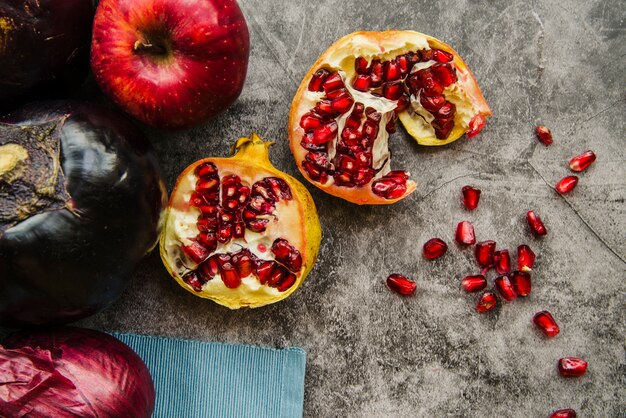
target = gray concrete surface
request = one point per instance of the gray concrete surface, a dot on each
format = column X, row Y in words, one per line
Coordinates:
column 372, row 353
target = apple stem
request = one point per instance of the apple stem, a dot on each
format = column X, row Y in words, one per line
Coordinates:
column 148, row 48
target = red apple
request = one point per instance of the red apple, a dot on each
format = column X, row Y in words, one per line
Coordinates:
column 170, row 63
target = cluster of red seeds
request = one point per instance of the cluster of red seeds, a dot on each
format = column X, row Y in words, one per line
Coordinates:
column 240, row 208
column 352, row 165
column 578, row 163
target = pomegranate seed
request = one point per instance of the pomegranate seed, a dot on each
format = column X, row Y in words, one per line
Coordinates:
column 435, row 248
column 401, row 284
column 362, row 82
column 310, row 121
column 360, row 65
column 488, row 300
column 432, row 103
column 471, row 197
column 318, row 79
column 465, row 233
column 572, row 367
column 442, row 56
column 445, row 74
column 342, row 104
column 286, row 283
column 546, row 323
column 393, row 90
column 502, row 261
column 391, row 71
column 544, row 135
column 325, row 133
column 582, row 161
column 534, row 221
column 525, row 258
column 196, row 252
column 476, row 125
column 566, row 184
column 564, row 413
column 521, row 283
column 334, row 82
column 376, row 71
column 484, row 252
column 504, row 286
column 473, row 283
column 206, row 169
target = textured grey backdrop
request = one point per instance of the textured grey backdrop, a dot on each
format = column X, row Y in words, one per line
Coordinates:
column 372, row 353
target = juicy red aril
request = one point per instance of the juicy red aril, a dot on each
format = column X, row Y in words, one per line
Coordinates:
column 435, row 248
column 362, row 82
column 566, row 184
column 544, row 135
column 564, row 413
column 504, row 286
column 502, row 261
column 432, row 103
column 196, row 251
column 488, row 300
column 445, row 74
column 287, row 254
column 393, row 90
column 521, row 283
column 376, row 72
column 534, row 221
column 473, row 283
column 484, row 252
column 401, row 284
column 441, row 56
column 391, row 71
column 471, row 197
column 582, row 161
column 572, row 367
column 546, row 323
column 193, row 280
column 525, row 258
column 391, row 186
column 325, row 133
column 465, row 233
column 333, row 82
column 206, row 169
column 476, row 125
column 310, row 121
column 342, row 104
column 360, row 65
column 317, row 81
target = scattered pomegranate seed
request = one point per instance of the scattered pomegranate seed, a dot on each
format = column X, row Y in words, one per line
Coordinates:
column 525, row 258
column 484, row 252
column 435, row 248
column 546, row 323
column 572, row 367
column 521, row 283
column 488, row 300
column 401, row 284
column 502, row 261
column 564, row 413
column 504, row 286
column 465, row 233
column 566, row 184
column 471, row 196
column 473, row 283
column 544, row 135
column 582, row 161
column 534, row 221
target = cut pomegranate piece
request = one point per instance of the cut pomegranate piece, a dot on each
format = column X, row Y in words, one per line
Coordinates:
column 566, row 184
column 471, row 196
column 244, row 204
column 564, row 413
column 525, row 258
column 504, row 286
column 437, row 101
column 582, row 161
column 401, row 284
column 473, row 283
column 502, row 261
column 484, row 252
column 534, row 221
column 572, row 367
column 546, row 323
column 465, row 233
column 488, row 300
column 544, row 135
column 521, row 283
column 435, row 248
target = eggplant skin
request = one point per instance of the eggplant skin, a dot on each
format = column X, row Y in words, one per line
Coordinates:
column 44, row 48
column 65, row 264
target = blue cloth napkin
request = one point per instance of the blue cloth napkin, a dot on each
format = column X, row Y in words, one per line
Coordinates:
column 196, row 379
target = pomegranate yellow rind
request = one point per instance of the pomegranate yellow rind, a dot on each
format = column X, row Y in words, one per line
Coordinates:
column 299, row 222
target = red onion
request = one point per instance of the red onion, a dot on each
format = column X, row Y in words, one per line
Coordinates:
column 70, row 372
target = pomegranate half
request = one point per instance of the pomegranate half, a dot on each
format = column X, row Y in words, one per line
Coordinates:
column 349, row 101
column 238, row 231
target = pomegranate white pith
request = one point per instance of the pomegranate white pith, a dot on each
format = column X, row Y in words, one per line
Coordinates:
column 238, row 231
column 350, row 100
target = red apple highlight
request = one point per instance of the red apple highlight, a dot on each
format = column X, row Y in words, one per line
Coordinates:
column 170, row 63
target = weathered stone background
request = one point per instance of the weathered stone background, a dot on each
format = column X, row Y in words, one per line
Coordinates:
column 372, row 353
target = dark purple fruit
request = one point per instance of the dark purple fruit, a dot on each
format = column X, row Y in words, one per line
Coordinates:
column 80, row 203
column 44, row 48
